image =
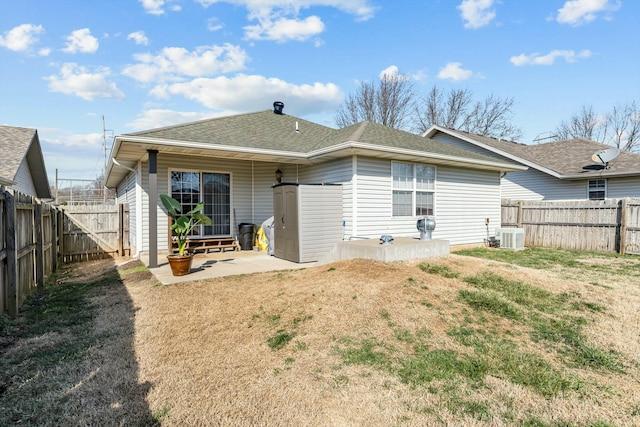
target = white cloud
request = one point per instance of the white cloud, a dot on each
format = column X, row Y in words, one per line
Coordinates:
column 578, row 12
column 362, row 9
column 214, row 24
column 476, row 13
column 76, row 80
column 173, row 63
column 81, row 41
column 44, row 51
column 391, row 70
column 20, row 38
column 549, row 58
column 153, row 7
column 139, row 37
column 454, row 71
column 253, row 92
column 153, row 118
column 284, row 29
column 280, row 20
column 78, row 140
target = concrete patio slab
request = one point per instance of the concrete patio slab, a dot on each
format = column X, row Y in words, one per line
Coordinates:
column 221, row 264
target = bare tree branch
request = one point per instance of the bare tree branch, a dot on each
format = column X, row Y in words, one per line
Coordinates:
column 490, row 117
column 388, row 101
column 619, row 128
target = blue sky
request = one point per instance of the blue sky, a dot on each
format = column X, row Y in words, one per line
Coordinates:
column 65, row 64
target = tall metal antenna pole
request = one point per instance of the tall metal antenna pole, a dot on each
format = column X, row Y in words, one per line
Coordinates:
column 104, row 145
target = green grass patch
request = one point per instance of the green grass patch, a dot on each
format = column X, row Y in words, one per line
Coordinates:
column 550, row 318
column 441, row 270
column 280, row 339
column 519, row 292
column 542, row 258
column 490, row 302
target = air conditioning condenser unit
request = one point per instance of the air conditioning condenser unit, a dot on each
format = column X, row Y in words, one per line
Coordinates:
column 510, row 238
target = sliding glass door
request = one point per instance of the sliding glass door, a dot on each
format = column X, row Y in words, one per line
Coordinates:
column 214, row 189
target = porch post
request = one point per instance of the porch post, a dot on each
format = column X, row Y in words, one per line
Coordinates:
column 153, row 209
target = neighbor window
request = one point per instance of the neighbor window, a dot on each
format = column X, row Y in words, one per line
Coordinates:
column 597, row 189
column 214, row 189
column 413, row 189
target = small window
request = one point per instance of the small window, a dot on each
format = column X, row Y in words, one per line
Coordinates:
column 413, row 189
column 597, row 189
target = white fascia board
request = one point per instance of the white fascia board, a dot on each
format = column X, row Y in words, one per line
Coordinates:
column 209, row 147
column 362, row 148
column 602, row 175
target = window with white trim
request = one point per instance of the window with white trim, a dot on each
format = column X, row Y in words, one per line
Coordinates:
column 413, row 189
column 214, row 189
column 597, row 189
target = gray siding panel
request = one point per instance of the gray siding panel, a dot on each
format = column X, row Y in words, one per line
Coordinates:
column 126, row 193
column 23, row 180
column 535, row 185
column 623, row 187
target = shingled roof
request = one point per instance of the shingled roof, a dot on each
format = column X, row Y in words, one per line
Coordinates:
column 267, row 130
column 567, row 159
column 18, row 144
column 266, row 136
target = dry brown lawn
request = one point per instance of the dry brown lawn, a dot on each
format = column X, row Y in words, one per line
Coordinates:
column 199, row 353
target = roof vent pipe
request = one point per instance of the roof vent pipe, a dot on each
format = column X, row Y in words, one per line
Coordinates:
column 278, row 107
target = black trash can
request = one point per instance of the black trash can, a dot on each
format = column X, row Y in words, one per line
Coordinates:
column 247, row 235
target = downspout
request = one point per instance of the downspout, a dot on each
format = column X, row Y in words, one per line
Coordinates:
column 139, row 237
column 253, row 198
column 354, row 195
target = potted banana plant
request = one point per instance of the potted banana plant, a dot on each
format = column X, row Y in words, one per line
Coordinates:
column 181, row 229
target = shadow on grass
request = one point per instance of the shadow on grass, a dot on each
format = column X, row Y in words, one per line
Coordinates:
column 69, row 358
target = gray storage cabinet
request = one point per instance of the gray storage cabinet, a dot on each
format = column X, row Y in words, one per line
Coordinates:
column 307, row 220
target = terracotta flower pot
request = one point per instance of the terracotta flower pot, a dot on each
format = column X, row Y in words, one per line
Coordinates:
column 180, row 265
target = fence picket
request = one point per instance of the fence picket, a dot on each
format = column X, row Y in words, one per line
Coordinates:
column 605, row 226
column 33, row 241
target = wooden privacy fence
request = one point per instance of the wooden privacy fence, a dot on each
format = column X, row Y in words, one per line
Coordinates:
column 611, row 225
column 35, row 236
column 93, row 231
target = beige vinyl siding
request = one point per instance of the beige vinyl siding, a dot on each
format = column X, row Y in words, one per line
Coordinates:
column 464, row 199
column 126, row 193
column 623, row 187
column 251, row 192
column 23, row 180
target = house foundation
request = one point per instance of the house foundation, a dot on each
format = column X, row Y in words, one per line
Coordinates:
column 402, row 248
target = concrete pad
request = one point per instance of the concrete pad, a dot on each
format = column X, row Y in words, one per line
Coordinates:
column 221, row 264
column 402, row 248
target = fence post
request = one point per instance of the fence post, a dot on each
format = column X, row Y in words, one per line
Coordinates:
column 623, row 226
column 519, row 216
column 54, row 238
column 121, row 229
column 37, row 219
column 60, row 220
column 12, row 255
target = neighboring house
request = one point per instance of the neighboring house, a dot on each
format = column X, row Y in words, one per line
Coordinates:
column 561, row 170
column 22, row 164
column 389, row 177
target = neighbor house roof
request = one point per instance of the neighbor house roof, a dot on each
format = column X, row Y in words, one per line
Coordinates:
column 568, row 159
column 266, row 136
column 17, row 145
